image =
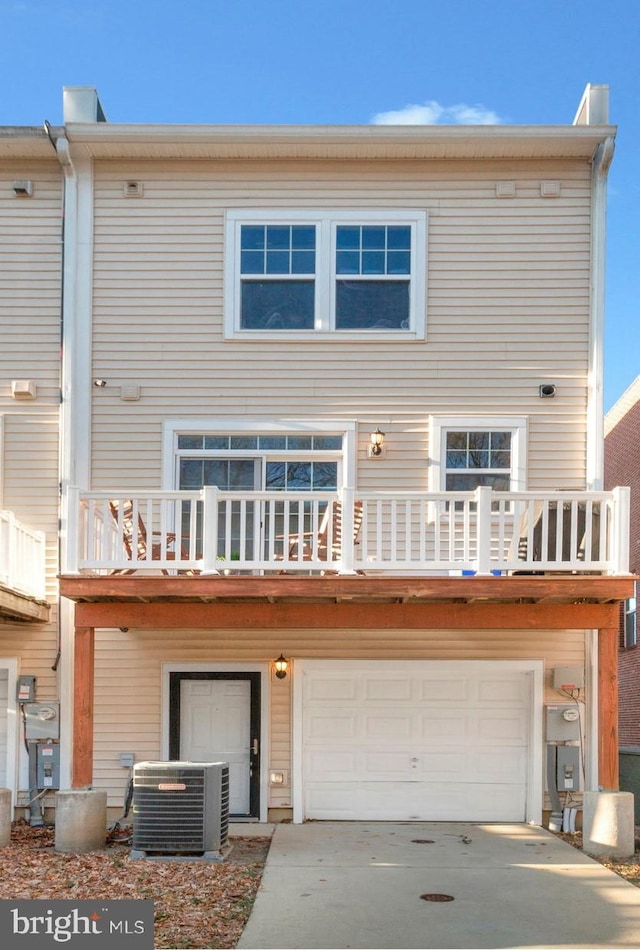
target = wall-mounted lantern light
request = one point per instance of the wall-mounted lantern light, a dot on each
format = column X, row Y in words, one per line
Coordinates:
column 281, row 667
column 377, row 441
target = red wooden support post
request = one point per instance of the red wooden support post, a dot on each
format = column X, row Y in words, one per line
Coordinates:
column 83, row 677
column 608, row 768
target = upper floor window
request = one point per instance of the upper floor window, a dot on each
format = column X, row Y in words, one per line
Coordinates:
column 347, row 274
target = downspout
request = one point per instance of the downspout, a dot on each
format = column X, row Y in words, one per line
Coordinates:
column 595, row 401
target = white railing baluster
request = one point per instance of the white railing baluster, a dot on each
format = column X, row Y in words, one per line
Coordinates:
column 438, row 532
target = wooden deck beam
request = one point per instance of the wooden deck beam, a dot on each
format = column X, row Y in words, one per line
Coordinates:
column 562, row 588
column 172, row 616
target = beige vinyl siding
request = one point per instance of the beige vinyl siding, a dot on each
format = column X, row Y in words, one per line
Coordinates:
column 128, row 687
column 30, row 304
column 507, row 309
column 35, row 647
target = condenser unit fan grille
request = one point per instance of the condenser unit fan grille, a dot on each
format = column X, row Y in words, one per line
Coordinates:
column 180, row 808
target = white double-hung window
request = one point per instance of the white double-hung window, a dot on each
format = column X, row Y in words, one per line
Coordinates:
column 471, row 451
column 341, row 273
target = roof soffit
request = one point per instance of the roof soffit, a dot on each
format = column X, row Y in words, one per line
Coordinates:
column 105, row 141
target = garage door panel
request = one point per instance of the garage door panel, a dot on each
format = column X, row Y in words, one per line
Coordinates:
column 414, row 744
column 325, row 725
column 488, row 765
column 439, row 766
column 501, row 691
column 396, row 689
column 406, row 801
column 501, row 729
column 397, row 726
column 447, row 689
column 444, row 727
column 331, row 687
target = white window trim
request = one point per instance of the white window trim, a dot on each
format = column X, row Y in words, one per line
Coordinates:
column 174, row 428
column 440, row 425
column 325, row 271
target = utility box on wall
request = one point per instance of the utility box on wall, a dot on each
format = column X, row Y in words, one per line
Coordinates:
column 48, row 765
column 568, row 768
column 563, row 723
column 42, row 720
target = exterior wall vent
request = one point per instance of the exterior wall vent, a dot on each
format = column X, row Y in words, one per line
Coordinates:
column 23, row 188
column 130, row 393
column 550, row 189
column 23, row 389
column 181, row 808
column 133, row 189
column 505, row 189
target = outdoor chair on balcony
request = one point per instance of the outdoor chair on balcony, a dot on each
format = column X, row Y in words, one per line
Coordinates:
column 133, row 535
column 566, row 533
column 328, row 546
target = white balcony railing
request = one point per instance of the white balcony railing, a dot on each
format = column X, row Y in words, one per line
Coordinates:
column 482, row 531
column 22, row 557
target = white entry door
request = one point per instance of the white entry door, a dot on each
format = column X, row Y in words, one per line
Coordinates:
column 215, row 726
column 425, row 740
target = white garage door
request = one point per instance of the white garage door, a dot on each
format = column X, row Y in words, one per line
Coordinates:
column 428, row 740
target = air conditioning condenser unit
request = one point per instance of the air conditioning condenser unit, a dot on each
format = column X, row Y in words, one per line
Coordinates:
column 181, row 809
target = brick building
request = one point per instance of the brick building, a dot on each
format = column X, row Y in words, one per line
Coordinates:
column 622, row 467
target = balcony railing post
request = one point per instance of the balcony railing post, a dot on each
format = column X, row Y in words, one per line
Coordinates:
column 71, row 562
column 483, row 494
column 210, row 529
column 621, row 512
column 347, row 551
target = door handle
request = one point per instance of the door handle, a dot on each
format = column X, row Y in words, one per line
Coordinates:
column 254, row 747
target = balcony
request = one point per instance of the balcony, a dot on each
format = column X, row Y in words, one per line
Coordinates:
column 22, row 571
column 483, row 532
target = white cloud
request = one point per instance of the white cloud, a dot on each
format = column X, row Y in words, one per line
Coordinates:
column 433, row 113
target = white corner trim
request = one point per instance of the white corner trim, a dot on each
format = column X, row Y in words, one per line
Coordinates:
column 595, row 399
column 10, row 664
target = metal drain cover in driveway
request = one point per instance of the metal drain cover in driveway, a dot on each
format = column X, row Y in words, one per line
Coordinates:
column 438, row 898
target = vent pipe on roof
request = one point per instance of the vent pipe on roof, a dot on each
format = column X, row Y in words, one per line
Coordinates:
column 81, row 104
column 594, row 106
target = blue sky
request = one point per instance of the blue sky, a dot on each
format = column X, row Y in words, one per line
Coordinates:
column 350, row 62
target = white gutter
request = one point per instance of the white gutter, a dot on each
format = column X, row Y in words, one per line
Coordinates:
column 595, row 403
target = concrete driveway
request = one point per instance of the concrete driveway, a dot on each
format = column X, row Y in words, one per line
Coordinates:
column 360, row 884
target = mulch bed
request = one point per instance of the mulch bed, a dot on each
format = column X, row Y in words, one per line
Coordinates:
column 629, row 870
column 196, row 904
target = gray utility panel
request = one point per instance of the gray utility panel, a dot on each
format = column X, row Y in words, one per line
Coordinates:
column 562, row 722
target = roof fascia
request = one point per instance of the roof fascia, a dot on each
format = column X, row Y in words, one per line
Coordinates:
column 392, row 139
